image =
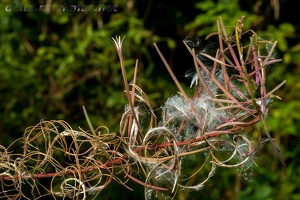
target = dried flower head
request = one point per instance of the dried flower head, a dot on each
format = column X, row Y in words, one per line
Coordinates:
column 118, row 42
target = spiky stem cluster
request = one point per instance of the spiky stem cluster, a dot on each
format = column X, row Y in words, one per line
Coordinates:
column 218, row 126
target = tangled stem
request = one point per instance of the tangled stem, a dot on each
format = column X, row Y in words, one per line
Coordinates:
column 209, row 129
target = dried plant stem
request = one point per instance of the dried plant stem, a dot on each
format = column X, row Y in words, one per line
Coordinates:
column 177, row 83
column 94, row 133
column 245, row 73
column 200, row 76
column 213, row 78
column 132, row 96
column 124, row 75
column 276, row 150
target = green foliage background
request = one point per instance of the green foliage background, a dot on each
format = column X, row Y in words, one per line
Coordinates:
column 53, row 63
